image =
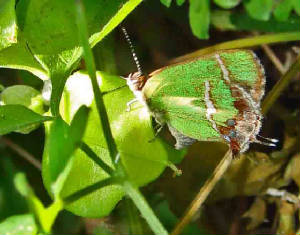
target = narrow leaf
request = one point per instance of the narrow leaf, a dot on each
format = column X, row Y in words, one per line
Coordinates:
column 199, row 15
column 62, row 142
column 283, row 10
column 180, row 2
column 259, row 9
column 227, row 4
column 120, row 15
column 45, row 216
column 167, row 3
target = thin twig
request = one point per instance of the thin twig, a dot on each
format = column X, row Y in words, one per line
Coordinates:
column 280, row 86
column 22, row 152
column 204, row 192
column 270, row 53
column 272, row 56
column 146, row 211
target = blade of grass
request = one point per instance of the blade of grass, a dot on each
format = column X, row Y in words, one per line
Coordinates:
column 90, row 65
column 126, row 9
column 242, row 43
column 146, row 211
column 280, row 86
column 203, row 193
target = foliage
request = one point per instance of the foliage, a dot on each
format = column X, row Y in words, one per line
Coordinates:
column 97, row 153
column 260, row 15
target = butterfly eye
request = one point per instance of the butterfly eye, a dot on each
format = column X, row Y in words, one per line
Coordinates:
column 230, row 122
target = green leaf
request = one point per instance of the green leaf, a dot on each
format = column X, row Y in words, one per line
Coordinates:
column 119, row 16
column 61, row 143
column 167, row 3
column 22, row 185
column 283, row 10
column 199, row 15
column 45, row 216
column 130, row 129
column 23, row 95
column 296, row 5
column 227, row 4
column 227, row 20
column 180, row 2
column 18, row 56
column 19, row 225
column 8, row 26
column 259, row 9
column 18, row 117
column 26, row 96
column 51, row 33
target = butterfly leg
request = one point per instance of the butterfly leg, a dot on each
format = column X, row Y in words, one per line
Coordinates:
column 130, row 103
column 158, row 128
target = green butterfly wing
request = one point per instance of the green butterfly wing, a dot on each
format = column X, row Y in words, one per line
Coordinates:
column 195, row 98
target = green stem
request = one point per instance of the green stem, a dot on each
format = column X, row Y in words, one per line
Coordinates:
column 280, row 86
column 242, row 43
column 88, row 190
column 93, row 156
column 133, row 218
column 146, row 211
column 90, row 65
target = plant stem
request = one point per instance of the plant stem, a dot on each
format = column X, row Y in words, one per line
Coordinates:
column 88, row 190
column 280, row 86
column 93, row 156
column 270, row 53
column 22, row 152
column 146, row 211
column 90, row 65
column 133, row 218
column 241, row 43
column 204, row 192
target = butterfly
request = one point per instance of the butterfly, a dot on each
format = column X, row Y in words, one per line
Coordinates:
column 216, row 97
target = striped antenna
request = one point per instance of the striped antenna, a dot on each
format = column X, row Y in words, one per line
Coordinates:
column 135, row 58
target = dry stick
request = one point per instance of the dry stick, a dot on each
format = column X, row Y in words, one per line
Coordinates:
column 280, row 86
column 22, row 152
column 270, row 53
column 272, row 56
column 204, row 192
